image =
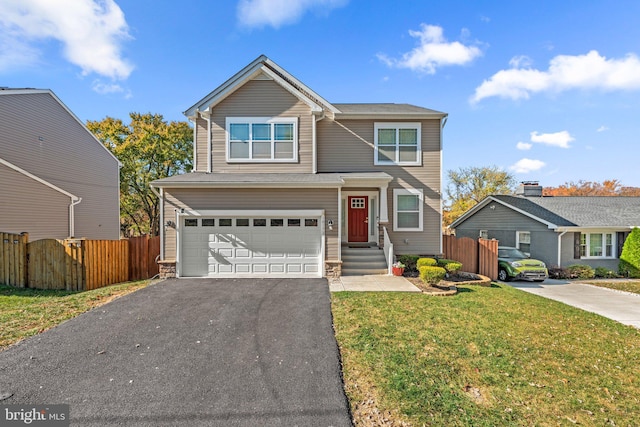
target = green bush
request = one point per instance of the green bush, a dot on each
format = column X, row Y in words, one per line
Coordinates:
column 629, row 264
column 426, row 262
column 605, row 273
column 559, row 273
column 409, row 261
column 581, row 271
column 432, row 275
column 450, row 265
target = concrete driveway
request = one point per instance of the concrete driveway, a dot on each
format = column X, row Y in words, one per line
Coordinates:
column 623, row 307
column 234, row 352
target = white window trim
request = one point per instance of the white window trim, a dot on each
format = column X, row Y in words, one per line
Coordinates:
column 262, row 120
column 397, row 125
column 518, row 240
column 484, row 234
column 604, row 244
column 405, row 191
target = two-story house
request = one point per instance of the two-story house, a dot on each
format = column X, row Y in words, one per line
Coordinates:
column 284, row 181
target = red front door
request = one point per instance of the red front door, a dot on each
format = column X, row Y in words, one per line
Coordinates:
column 358, row 218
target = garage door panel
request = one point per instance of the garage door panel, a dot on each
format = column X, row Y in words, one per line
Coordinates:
column 262, row 250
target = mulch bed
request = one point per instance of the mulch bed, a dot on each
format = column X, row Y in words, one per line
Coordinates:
column 450, row 285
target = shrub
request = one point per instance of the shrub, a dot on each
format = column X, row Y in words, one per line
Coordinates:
column 559, row 273
column 605, row 273
column 450, row 265
column 432, row 275
column 581, row 271
column 629, row 264
column 409, row 261
column 426, row 262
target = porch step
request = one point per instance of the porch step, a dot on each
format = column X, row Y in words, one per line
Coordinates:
column 358, row 261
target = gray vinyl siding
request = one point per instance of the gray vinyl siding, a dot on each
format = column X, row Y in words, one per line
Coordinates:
column 201, row 145
column 348, row 146
column 502, row 223
column 260, row 98
column 38, row 135
column 32, row 207
column 252, row 199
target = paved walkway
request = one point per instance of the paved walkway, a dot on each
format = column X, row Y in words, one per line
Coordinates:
column 372, row 283
column 623, row 307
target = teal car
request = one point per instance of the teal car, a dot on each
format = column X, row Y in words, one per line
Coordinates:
column 515, row 265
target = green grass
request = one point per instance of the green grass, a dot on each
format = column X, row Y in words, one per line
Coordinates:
column 627, row 285
column 26, row 312
column 485, row 357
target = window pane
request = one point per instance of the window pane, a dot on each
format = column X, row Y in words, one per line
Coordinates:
column 239, row 150
column 259, row 222
column 408, row 202
column 524, row 237
column 262, row 150
column 408, row 154
column 386, row 136
column 242, row 222
column 311, row 222
column 595, row 245
column 208, row 222
column 408, row 136
column 225, row 222
column 239, row 132
column 408, row 220
column 277, row 222
column 283, row 132
column 293, row 222
column 261, row 132
column 191, row 222
column 387, row 153
column 284, row 150
column 609, row 245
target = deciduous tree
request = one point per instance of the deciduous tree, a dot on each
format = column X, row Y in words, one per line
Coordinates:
column 149, row 148
column 468, row 186
column 610, row 187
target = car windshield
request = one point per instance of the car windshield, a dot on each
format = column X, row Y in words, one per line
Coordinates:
column 510, row 253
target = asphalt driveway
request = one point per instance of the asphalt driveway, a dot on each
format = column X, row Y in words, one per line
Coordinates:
column 623, row 307
column 200, row 352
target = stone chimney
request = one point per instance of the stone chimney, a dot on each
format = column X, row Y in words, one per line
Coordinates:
column 529, row 189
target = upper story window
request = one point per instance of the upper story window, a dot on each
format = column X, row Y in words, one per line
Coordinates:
column 397, row 144
column 262, row 139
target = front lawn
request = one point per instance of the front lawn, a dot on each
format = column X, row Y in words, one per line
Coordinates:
column 25, row 312
column 485, row 357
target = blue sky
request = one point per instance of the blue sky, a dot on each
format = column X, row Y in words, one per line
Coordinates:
column 546, row 90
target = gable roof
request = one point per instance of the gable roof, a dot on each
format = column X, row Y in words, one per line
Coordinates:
column 264, row 68
column 31, row 91
column 574, row 212
column 38, row 179
column 262, row 65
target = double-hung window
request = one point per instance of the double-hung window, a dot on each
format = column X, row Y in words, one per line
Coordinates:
column 407, row 209
column 262, row 139
column 523, row 241
column 597, row 245
column 397, row 144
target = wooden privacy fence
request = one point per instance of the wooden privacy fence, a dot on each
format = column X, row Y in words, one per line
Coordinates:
column 477, row 256
column 75, row 264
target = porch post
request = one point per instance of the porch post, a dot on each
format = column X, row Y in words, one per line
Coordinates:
column 384, row 216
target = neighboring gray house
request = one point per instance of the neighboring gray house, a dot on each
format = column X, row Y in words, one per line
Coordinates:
column 286, row 183
column 560, row 231
column 56, row 179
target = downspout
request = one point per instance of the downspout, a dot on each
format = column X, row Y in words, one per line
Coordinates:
column 72, row 221
column 161, row 227
column 560, row 248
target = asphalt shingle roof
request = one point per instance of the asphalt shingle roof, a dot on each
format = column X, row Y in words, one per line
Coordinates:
column 580, row 211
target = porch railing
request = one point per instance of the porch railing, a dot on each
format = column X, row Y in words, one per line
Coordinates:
column 388, row 250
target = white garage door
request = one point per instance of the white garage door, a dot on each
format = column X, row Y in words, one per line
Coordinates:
column 251, row 246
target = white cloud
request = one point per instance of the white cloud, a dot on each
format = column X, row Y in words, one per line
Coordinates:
column 524, row 146
column 91, row 33
column 276, row 13
column 433, row 51
column 602, row 128
column 527, row 165
column 590, row 71
column 520, row 61
column 558, row 139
